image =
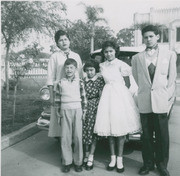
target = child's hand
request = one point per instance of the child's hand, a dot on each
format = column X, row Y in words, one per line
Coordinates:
column 58, row 114
column 59, row 120
column 52, row 102
column 84, row 115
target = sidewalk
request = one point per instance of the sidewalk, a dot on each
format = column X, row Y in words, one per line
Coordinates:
column 174, row 132
column 174, row 122
column 39, row 155
column 18, row 135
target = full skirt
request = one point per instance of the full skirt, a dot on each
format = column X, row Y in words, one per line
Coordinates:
column 117, row 113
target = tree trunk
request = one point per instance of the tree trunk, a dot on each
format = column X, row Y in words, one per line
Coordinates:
column 7, row 71
column 92, row 44
column 14, row 103
column 92, row 38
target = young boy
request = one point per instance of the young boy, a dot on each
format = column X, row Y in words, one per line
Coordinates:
column 56, row 72
column 70, row 91
column 154, row 71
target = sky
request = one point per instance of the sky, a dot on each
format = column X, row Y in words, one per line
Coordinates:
column 118, row 13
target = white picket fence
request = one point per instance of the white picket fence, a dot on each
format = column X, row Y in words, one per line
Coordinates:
column 36, row 73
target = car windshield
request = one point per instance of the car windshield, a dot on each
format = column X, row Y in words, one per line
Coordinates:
column 125, row 54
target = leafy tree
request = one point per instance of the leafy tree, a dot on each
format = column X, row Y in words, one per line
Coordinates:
column 80, row 38
column 93, row 17
column 125, row 37
column 20, row 64
column 19, row 18
column 101, row 35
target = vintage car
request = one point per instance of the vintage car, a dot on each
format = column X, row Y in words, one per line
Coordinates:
column 125, row 54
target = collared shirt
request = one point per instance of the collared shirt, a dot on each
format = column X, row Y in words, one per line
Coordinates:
column 93, row 79
column 112, row 62
column 57, row 92
column 155, row 47
column 67, row 54
column 152, row 57
column 123, row 68
column 56, row 64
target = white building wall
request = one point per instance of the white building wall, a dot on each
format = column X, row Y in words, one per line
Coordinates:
column 168, row 17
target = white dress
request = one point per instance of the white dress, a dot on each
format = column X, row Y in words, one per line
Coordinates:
column 117, row 113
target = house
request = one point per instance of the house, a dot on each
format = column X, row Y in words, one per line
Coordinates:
column 169, row 34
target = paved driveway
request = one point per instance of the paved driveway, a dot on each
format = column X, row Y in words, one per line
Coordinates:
column 40, row 155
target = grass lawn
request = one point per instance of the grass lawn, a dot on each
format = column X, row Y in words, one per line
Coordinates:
column 28, row 109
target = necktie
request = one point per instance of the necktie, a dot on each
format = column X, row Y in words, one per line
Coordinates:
column 67, row 55
column 151, row 69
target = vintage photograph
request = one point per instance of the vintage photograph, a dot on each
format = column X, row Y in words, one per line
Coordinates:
column 90, row 87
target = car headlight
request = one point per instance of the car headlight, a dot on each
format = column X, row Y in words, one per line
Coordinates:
column 44, row 93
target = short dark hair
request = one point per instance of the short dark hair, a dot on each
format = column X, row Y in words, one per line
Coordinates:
column 91, row 63
column 60, row 33
column 70, row 61
column 96, row 54
column 151, row 28
column 110, row 44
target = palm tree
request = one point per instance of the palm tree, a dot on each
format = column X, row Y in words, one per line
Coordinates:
column 93, row 17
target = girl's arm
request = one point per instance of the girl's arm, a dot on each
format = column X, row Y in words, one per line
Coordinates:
column 126, row 71
column 84, row 101
column 127, row 81
column 101, row 85
column 57, row 100
column 51, row 91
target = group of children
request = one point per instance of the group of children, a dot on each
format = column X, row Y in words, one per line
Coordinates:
column 98, row 105
column 101, row 104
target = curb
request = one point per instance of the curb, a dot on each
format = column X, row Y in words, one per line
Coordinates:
column 19, row 135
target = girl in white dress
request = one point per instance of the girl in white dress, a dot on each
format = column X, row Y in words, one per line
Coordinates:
column 117, row 113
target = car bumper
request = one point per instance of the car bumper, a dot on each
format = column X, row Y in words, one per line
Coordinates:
column 134, row 137
column 43, row 124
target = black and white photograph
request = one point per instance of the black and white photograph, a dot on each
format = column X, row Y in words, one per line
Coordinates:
column 90, row 87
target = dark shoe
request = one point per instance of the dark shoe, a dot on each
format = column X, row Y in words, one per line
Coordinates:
column 85, row 161
column 120, row 170
column 151, row 168
column 89, row 167
column 84, row 164
column 145, row 170
column 109, row 168
column 163, row 171
column 78, row 168
column 66, row 168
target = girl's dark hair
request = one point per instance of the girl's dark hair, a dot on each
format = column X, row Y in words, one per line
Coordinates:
column 58, row 34
column 151, row 28
column 110, row 44
column 70, row 61
column 91, row 63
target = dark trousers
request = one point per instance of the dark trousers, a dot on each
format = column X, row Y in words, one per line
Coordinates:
column 155, row 150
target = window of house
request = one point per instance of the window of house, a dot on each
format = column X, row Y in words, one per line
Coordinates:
column 178, row 34
column 164, row 38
